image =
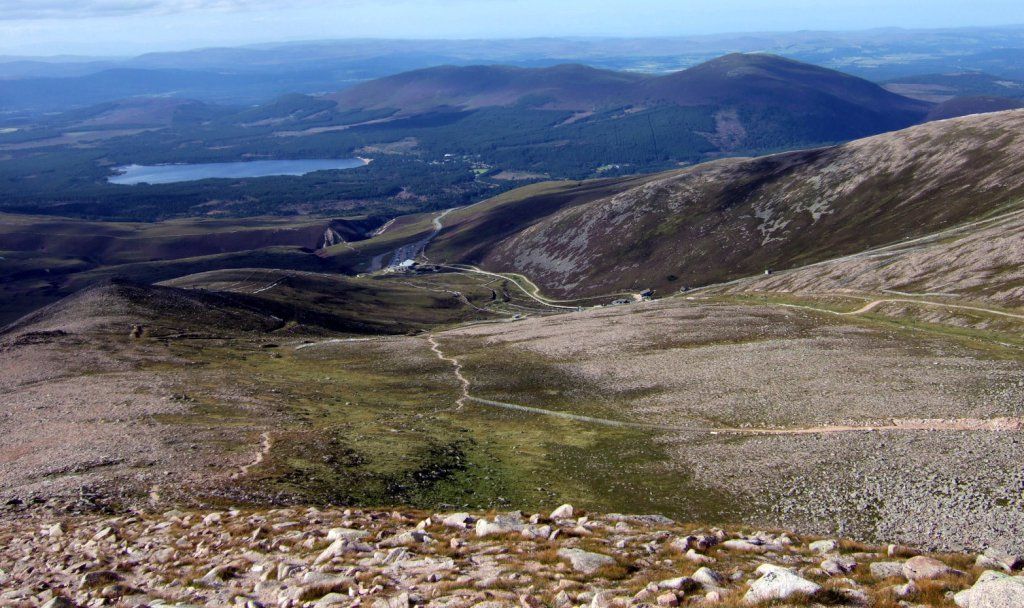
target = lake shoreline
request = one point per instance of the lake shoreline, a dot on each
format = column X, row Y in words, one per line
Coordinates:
column 171, row 173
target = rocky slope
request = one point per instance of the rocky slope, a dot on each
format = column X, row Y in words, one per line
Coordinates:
column 731, row 218
column 987, row 267
column 318, row 558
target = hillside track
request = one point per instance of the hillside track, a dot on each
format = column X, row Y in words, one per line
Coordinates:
column 1001, row 424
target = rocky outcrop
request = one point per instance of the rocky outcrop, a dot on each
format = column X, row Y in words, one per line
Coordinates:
column 313, row 558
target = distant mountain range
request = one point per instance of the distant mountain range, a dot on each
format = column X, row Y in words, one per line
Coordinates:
column 256, row 74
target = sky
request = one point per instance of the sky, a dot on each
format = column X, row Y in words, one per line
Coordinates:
column 129, row 27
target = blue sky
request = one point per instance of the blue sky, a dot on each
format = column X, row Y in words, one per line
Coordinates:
column 49, row 27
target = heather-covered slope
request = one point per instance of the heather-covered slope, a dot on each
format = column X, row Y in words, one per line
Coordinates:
column 731, row 218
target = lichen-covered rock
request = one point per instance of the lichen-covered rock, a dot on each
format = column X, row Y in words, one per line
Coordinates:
column 922, row 567
column 778, row 584
column 586, row 561
column 993, row 590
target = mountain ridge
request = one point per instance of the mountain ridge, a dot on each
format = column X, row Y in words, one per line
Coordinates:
column 735, row 217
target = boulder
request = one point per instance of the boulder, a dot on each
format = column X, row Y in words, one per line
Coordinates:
column 100, row 578
column 886, row 569
column 753, row 545
column 563, row 512
column 823, row 546
column 993, row 590
column 839, row 565
column 778, row 584
column 684, row 583
column 699, row 558
column 923, row 567
column 585, row 561
column 458, row 520
column 993, row 558
column 406, row 539
column 668, row 600
column 707, row 577
column 494, row 528
column 346, row 533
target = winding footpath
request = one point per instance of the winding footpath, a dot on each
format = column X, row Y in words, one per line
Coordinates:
column 456, row 368
column 874, row 304
column 266, row 443
column 919, row 425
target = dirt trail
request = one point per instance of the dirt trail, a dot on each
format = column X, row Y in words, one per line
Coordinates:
column 456, row 368
column 265, row 444
column 875, row 303
column 918, row 425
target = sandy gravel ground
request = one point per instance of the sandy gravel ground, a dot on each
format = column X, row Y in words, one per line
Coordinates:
column 767, row 366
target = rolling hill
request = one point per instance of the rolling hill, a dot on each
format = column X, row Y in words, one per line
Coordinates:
column 744, row 93
column 737, row 217
column 574, row 87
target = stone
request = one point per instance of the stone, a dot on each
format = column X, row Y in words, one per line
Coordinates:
column 699, row 558
column 530, row 601
column 602, row 599
column 752, row 545
column 669, row 600
column 562, row 599
column 823, row 546
column 853, row 597
column 678, row 583
column 905, row 590
column 839, row 566
column 315, row 589
column 585, row 561
column 922, row 567
column 778, row 584
column 993, row 558
column 398, row 601
column 497, row 527
column 335, row 549
column 563, row 512
column 460, row 521
column 406, row 539
column 60, row 602
column 346, row 533
column 993, row 590
column 333, row 599
column 707, row 577
column 886, row 569
column 219, row 574
column 99, row 578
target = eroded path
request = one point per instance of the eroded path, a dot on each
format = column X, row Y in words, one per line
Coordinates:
column 266, row 443
column 917, row 425
column 876, row 303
